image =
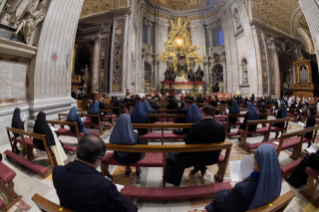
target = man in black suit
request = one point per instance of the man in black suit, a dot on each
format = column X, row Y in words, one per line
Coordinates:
column 82, row 188
column 207, row 131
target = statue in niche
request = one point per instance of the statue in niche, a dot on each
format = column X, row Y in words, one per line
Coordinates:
column 13, row 11
column 245, row 72
column 303, row 74
column 216, row 58
column 32, row 18
column 199, row 74
column 85, row 77
column 237, row 18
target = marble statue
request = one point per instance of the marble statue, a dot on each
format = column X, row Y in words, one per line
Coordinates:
column 237, row 19
column 199, row 74
column 191, row 76
column 181, row 77
column 245, row 73
column 31, row 19
column 216, row 58
column 85, row 77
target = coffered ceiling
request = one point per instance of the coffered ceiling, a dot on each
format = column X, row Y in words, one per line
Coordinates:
column 181, row 5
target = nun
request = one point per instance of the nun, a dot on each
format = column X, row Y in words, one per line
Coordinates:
column 18, row 124
column 193, row 115
column 233, row 110
column 251, row 114
column 139, row 116
column 41, row 127
column 74, row 117
column 95, row 109
column 123, row 133
column 149, row 110
column 260, row 188
column 281, row 114
column 182, row 110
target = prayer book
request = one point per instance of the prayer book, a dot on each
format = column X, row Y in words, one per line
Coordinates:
column 119, row 187
column 301, row 124
column 240, row 169
column 53, row 128
column 25, row 117
column 276, row 142
column 312, row 149
column 83, row 118
column 227, row 111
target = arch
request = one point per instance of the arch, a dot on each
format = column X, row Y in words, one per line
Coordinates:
column 217, row 76
column 306, row 42
column 286, row 77
column 294, row 21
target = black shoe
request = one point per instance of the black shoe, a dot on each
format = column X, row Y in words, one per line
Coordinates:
column 203, row 170
column 128, row 172
column 277, row 134
column 194, row 171
column 239, row 139
column 287, row 179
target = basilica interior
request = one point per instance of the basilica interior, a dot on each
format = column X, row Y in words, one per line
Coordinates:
column 59, row 54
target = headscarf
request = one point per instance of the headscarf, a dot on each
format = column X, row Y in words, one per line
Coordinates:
column 252, row 112
column 17, row 122
column 194, row 114
column 95, row 108
column 41, row 127
column 269, row 184
column 74, row 117
column 123, row 133
column 283, row 111
column 147, row 107
column 234, row 107
column 139, row 114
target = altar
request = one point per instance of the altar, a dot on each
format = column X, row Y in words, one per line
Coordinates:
column 183, row 87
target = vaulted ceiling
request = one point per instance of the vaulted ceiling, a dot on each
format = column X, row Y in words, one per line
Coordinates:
column 181, row 5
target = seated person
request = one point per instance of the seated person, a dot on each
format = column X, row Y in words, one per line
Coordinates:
column 230, row 102
column 262, row 110
column 199, row 99
column 182, row 110
column 304, row 111
column 17, row 122
column 201, row 133
column 89, row 104
column 281, row 114
column 102, row 106
column 233, row 110
column 251, row 114
column 261, row 187
column 194, row 115
column 311, row 122
column 74, row 117
column 123, row 133
column 213, row 102
column 156, row 105
column 224, row 100
column 113, row 99
column 139, row 116
column 41, row 127
column 81, row 188
column 95, row 110
column 118, row 103
column 172, row 105
column 149, row 111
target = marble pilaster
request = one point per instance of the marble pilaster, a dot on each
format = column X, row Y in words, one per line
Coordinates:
column 277, row 71
column 95, row 64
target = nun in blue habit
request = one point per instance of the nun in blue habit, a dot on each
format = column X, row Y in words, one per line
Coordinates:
column 139, row 116
column 123, row 133
column 149, row 110
column 260, row 188
column 74, row 117
column 193, row 115
column 234, row 110
column 251, row 114
column 95, row 109
column 281, row 114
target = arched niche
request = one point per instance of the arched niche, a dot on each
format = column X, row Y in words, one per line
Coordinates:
column 217, row 77
column 244, row 71
column 148, row 77
column 286, row 75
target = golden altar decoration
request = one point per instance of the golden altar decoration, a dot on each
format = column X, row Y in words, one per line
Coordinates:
column 180, row 44
column 237, row 93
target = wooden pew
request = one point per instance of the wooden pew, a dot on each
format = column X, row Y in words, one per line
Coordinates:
column 179, row 192
column 7, row 187
column 46, row 205
column 163, row 110
column 28, row 146
column 165, row 116
column 87, row 122
column 310, row 190
column 112, row 116
column 264, row 130
column 161, row 135
column 228, row 124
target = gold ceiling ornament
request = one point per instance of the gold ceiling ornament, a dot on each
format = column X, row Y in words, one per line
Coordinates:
column 179, row 44
column 181, row 5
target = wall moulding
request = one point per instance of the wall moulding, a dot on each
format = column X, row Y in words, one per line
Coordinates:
column 17, row 49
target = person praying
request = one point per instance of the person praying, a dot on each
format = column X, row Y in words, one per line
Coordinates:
column 17, row 122
column 207, row 131
column 251, row 115
column 41, row 127
column 139, row 116
column 95, row 109
column 194, row 115
column 281, row 114
column 260, row 188
column 149, row 111
column 123, row 133
column 233, row 110
column 73, row 116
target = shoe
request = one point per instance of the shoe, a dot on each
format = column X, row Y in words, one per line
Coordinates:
column 194, row 171
column 128, row 172
column 203, row 170
column 287, row 179
column 138, row 172
column 277, row 134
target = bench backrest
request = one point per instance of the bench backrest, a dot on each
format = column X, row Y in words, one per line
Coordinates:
column 70, row 124
column 46, row 205
column 278, row 205
column 166, row 116
column 85, row 115
column 102, row 111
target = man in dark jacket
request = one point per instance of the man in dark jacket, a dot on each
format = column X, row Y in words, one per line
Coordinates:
column 207, row 131
column 156, row 105
column 82, row 188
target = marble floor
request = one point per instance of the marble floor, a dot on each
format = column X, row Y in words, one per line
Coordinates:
column 27, row 183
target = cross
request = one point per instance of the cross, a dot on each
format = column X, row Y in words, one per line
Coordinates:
column 54, row 57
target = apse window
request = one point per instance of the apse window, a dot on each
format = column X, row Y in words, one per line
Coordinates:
column 218, row 37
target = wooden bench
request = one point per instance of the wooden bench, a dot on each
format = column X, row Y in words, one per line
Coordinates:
column 176, row 192
column 162, row 117
column 112, row 117
column 264, row 130
column 28, row 146
column 166, row 111
column 46, row 205
column 309, row 191
column 7, row 187
column 228, row 124
column 162, row 135
column 87, row 122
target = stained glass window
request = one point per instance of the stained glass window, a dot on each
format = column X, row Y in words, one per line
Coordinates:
column 221, row 40
column 218, row 36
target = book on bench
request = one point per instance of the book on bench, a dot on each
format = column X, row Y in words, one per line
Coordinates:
column 312, row 149
column 240, row 169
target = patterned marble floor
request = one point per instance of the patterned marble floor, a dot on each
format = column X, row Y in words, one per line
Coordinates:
column 27, row 183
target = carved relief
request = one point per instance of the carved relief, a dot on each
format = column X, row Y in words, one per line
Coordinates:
column 244, row 72
column 93, row 7
column 237, row 19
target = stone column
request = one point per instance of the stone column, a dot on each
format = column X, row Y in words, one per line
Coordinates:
column 95, row 64
column 277, row 71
